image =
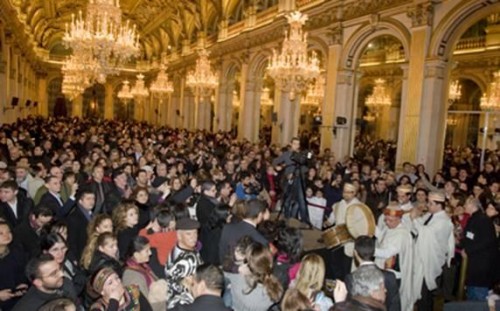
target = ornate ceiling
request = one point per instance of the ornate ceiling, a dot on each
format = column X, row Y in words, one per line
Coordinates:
column 162, row 24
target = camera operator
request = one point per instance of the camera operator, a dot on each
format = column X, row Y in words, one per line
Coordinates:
column 248, row 187
column 292, row 165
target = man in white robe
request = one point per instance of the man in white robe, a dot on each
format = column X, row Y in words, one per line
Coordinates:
column 338, row 217
column 339, row 212
column 394, row 252
column 434, row 247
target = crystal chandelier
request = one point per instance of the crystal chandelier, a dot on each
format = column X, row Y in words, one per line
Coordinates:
column 265, row 99
column 491, row 99
column 101, row 37
column 202, row 80
column 161, row 85
column 380, row 97
column 139, row 90
column 124, row 94
column 315, row 92
column 293, row 69
column 455, row 91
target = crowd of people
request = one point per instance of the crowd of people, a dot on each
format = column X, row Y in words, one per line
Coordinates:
column 113, row 215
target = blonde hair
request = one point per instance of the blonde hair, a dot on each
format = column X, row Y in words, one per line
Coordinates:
column 93, row 243
column 311, row 275
column 120, row 215
column 294, row 300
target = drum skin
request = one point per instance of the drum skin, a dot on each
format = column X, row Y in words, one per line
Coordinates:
column 359, row 221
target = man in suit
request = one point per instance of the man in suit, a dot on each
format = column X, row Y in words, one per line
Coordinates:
column 207, row 289
column 118, row 191
column 480, row 246
column 254, row 213
column 78, row 221
column 52, row 198
column 364, row 252
column 207, row 202
column 27, row 234
column 14, row 207
column 99, row 187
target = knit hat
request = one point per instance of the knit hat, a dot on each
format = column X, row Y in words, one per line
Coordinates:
column 100, row 278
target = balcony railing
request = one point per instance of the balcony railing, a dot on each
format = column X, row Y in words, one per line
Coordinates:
column 471, row 43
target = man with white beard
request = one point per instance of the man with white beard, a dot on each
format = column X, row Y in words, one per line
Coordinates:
column 434, row 247
column 394, row 252
column 338, row 217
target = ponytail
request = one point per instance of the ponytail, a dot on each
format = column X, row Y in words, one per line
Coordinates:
column 273, row 288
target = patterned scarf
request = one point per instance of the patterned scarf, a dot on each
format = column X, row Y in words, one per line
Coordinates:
column 144, row 269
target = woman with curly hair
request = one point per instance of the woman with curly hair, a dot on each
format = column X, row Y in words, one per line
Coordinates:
column 125, row 220
column 255, row 288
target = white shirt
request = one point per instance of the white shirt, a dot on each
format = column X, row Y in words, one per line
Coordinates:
column 13, row 206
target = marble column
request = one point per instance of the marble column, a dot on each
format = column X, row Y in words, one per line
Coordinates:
column 328, row 107
column 247, row 121
column 288, row 118
column 43, row 102
column 412, row 106
column 221, row 111
column 276, row 127
column 77, row 106
column 243, row 124
column 432, row 125
column 344, row 108
column 402, row 116
column 108, row 101
column 4, row 82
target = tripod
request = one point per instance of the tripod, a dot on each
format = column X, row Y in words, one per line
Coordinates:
column 294, row 202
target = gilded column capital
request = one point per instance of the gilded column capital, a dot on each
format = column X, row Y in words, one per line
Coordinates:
column 421, row 14
column 435, row 69
column 405, row 68
column 336, row 34
column 345, row 76
column 245, row 57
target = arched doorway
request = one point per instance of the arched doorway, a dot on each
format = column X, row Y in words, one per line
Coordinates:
column 122, row 110
column 378, row 98
column 55, row 95
column 93, row 101
column 469, row 124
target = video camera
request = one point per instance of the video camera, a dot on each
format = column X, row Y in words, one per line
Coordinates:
column 301, row 157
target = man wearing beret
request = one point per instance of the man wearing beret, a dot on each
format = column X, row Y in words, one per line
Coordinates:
column 182, row 263
column 434, row 247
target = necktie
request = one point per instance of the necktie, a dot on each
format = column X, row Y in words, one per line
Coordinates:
column 428, row 220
